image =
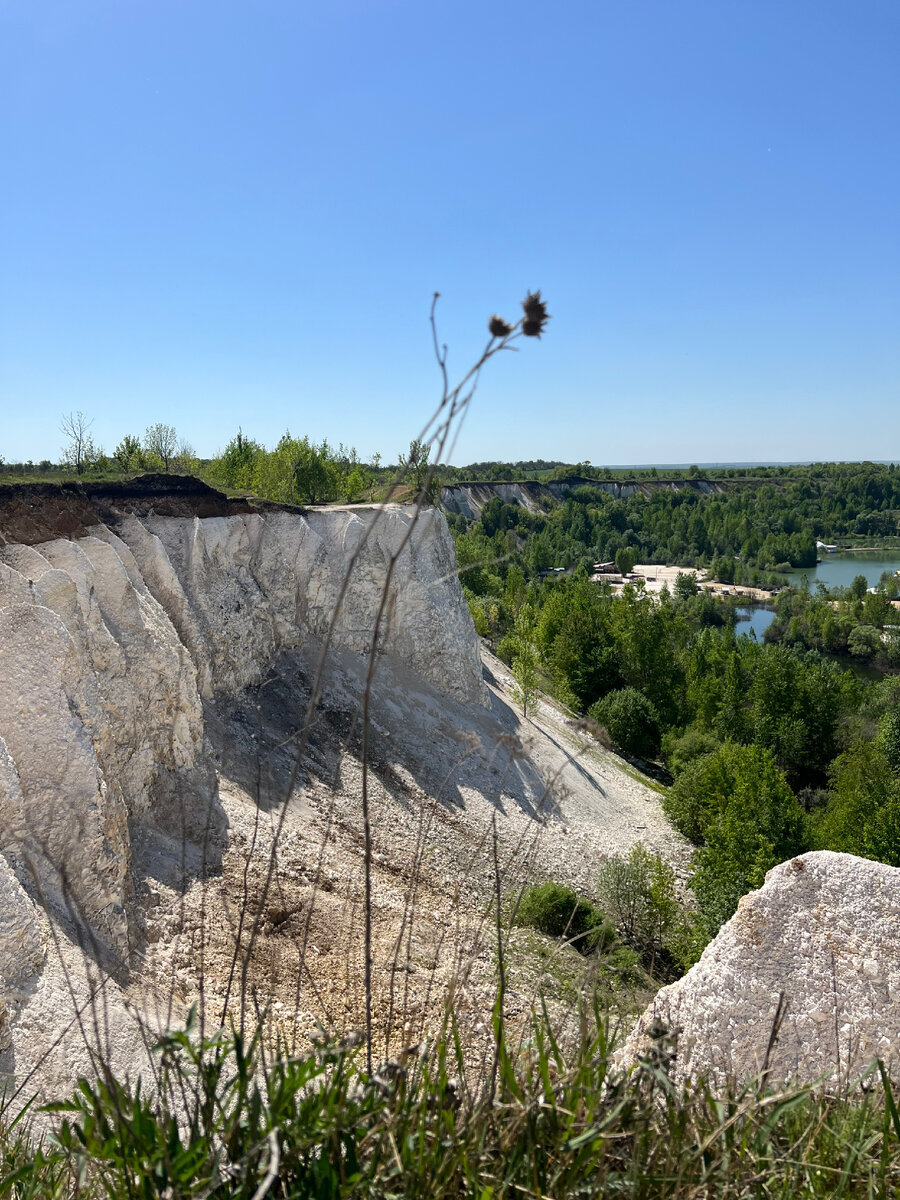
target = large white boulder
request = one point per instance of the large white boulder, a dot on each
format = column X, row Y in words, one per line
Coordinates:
column 823, row 933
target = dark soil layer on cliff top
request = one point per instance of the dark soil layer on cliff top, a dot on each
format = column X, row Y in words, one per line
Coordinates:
column 39, row 512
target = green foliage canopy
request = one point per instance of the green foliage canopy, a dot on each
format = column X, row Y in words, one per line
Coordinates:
column 737, row 806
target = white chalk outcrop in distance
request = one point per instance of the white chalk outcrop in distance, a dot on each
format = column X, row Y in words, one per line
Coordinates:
column 824, row 931
column 109, row 641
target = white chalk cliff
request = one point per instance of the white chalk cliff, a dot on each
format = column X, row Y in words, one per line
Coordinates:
column 166, row 838
column 823, row 933
column 110, row 642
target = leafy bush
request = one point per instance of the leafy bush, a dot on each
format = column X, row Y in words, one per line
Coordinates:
column 556, row 910
column 863, row 812
column 686, row 585
column 506, row 648
column 882, row 698
column 631, row 719
column 638, row 893
column 680, row 750
column 889, row 740
column 864, row 641
column 736, row 804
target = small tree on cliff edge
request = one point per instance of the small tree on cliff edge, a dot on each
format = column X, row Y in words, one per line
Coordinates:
column 78, row 440
column 415, row 465
column 161, row 441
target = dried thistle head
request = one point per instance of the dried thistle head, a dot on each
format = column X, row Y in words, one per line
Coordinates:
column 499, row 327
column 536, row 315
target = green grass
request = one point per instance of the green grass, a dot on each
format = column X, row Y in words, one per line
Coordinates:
column 546, row 1116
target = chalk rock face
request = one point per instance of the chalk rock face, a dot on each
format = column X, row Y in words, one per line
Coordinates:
column 824, row 930
column 426, row 621
column 110, row 642
column 238, row 589
column 59, row 813
column 22, row 940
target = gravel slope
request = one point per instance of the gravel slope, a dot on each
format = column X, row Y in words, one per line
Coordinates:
column 441, row 774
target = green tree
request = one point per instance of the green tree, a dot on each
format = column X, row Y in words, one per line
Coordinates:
column 414, row 465
column 796, row 701
column 863, row 812
column 235, row 465
column 525, row 659
column 638, row 895
column 686, row 585
column 737, row 806
column 161, row 441
column 889, row 739
column 128, row 455
column 631, row 721
column 625, row 560
column 877, row 609
column 647, row 630
column 731, row 718
column 577, row 644
column 314, row 477
column 723, row 569
column 858, row 587
column 681, row 751
column 864, row 641
column 275, row 474
column 474, row 557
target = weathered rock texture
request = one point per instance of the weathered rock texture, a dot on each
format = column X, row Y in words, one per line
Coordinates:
column 109, row 642
column 824, row 931
column 158, row 650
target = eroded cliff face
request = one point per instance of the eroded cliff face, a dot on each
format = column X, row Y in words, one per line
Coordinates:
column 169, row 841
column 468, row 499
column 111, row 642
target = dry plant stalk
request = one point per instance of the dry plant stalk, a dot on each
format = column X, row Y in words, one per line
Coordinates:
column 241, row 1003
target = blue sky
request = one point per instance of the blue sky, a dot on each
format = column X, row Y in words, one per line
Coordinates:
column 223, row 214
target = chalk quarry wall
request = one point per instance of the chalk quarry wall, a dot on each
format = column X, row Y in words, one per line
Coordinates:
column 468, row 499
column 110, row 642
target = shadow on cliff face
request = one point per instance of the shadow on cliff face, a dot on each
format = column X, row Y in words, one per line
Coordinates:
column 420, row 744
column 183, row 837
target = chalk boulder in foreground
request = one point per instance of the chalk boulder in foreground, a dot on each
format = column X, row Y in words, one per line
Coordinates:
column 824, row 930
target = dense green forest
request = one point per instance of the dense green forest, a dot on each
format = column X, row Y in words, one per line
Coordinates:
column 752, row 529
column 771, row 748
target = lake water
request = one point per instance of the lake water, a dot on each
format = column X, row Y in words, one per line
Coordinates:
column 839, row 570
column 754, row 620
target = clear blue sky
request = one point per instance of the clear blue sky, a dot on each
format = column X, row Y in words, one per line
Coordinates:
column 222, row 213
